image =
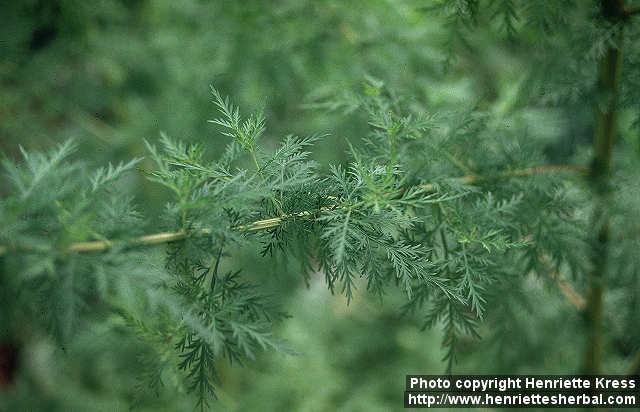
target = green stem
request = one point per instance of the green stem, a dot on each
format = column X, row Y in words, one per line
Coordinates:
column 604, row 139
column 214, row 275
column 450, row 331
column 255, row 162
column 276, row 202
column 168, row 237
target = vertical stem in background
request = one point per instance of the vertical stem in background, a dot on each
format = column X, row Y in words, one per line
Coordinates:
column 604, row 138
column 450, row 338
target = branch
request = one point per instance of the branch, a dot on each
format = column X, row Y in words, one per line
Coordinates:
column 154, row 239
column 573, row 296
column 167, row 237
column 529, row 171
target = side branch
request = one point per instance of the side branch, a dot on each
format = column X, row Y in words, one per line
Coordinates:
column 167, row 237
column 147, row 240
column 529, row 171
column 571, row 295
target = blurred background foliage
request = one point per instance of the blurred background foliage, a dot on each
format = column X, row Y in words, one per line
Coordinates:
column 111, row 73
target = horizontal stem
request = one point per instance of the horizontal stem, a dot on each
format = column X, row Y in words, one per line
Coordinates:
column 154, row 239
column 167, row 237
